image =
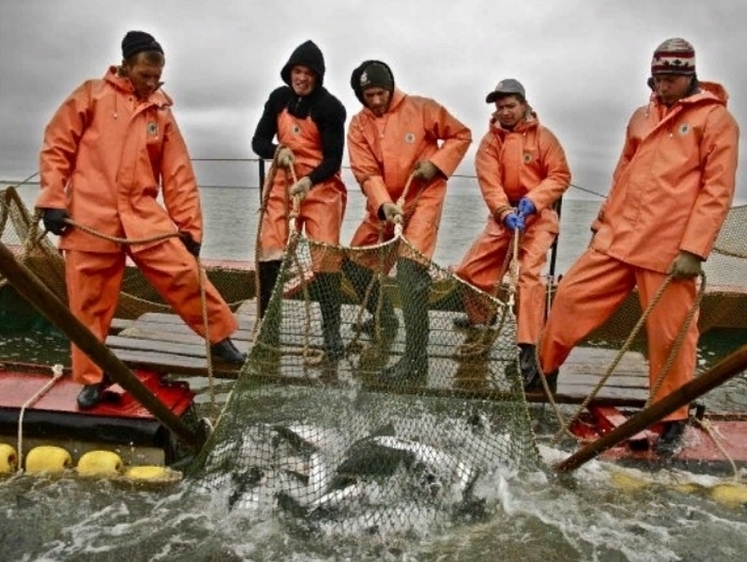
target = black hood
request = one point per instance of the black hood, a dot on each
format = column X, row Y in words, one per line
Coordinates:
column 307, row 54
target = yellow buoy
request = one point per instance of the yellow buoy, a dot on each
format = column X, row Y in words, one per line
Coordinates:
column 48, row 459
column 150, row 477
column 627, row 482
column 147, row 473
column 8, row 459
column 99, row 463
column 730, row 493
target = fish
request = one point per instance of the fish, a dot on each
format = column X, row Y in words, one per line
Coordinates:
column 382, row 456
column 275, row 458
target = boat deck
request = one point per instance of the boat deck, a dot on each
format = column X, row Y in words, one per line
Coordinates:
column 163, row 342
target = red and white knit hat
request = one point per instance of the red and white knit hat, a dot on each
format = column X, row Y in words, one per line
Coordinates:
column 674, row 56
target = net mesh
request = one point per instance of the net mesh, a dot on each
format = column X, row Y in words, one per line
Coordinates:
column 403, row 430
column 406, row 420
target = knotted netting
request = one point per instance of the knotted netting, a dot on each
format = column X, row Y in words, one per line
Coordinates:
column 400, row 422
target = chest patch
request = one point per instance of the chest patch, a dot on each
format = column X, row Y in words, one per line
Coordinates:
column 152, row 128
column 410, row 138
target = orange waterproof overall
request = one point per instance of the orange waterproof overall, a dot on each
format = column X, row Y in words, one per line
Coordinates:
column 383, row 153
column 672, row 190
column 104, row 155
column 322, row 210
column 528, row 161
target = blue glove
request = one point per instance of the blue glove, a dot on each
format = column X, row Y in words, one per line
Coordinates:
column 526, row 207
column 514, row 221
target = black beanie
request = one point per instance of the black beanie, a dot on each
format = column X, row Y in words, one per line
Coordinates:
column 135, row 42
column 371, row 74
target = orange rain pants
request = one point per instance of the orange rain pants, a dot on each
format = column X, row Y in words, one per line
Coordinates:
column 94, row 281
column 593, row 289
column 483, row 267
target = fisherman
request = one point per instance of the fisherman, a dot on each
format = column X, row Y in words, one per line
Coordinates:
column 522, row 172
column 395, row 136
column 671, row 191
column 106, row 151
column 309, row 123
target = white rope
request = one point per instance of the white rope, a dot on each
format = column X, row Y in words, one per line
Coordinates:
column 57, row 373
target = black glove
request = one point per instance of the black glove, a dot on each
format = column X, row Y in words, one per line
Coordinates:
column 54, row 221
column 192, row 246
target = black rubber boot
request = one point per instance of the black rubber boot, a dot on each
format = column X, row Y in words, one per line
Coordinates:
column 360, row 278
column 528, row 365
column 268, row 275
column 328, row 287
column 269, row 333
column 671, row 437
column 227, row 351
column 414, row 283
column 91, row 394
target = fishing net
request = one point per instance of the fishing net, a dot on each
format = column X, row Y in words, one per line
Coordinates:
column 342, row 443
column 20, row 232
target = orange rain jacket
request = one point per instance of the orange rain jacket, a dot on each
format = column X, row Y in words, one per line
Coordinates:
column 674, row 182
column 671, row 191
column 383, row 153
column 527, row 161
column 105, row 154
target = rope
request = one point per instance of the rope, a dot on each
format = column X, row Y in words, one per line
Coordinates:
column 481, row 344
column 57, row 373
column 678, row 340
column 311, row 356
column 380, row 271
column 708, row 428
column 202, row 277
column 266, row 190
column 626, row 346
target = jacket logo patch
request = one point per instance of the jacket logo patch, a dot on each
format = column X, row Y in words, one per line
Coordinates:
column 152, row 128
column 410, row 138
column 527, row 158
column 296, row 130
column 684, row 129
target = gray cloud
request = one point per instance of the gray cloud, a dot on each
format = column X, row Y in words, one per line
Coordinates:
column 584, row 63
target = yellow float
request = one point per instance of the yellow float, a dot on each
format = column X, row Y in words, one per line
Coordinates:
column 99, row 463
column 151, row 477
column 48, row 459
column 8, row 459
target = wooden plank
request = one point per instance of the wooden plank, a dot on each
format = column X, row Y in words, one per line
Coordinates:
column 163, row 341
column 167, row 347
column 174, row 364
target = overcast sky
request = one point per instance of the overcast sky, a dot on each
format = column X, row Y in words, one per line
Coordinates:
column 584, row 63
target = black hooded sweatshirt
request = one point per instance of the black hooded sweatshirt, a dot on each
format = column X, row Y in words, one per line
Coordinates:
column 325, row 110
